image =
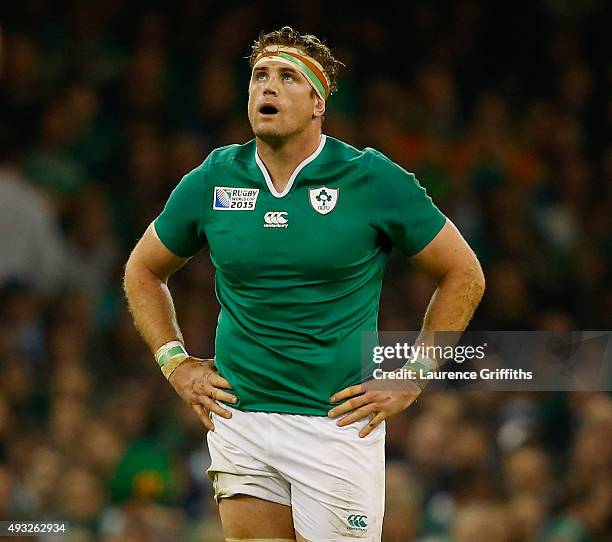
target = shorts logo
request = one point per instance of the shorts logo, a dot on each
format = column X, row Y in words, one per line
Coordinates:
column 234, row 199
column 276, row 219
column 357, row 522
column 323, row 199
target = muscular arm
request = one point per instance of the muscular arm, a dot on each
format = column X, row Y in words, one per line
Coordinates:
column 450, row 261
column 146, row 289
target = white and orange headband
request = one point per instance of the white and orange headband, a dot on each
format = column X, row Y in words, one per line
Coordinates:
column 306, row 65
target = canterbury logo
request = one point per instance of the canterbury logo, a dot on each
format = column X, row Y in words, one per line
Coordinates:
column 275, row 219
column 356, row 520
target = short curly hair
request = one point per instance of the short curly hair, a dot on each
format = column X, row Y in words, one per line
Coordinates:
column 311, row 45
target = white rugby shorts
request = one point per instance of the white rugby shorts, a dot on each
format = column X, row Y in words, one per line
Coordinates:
column 333, row 480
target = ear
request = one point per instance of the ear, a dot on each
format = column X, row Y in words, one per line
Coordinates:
column 319, row 107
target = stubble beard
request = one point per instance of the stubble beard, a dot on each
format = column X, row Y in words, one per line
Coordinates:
column 275, row 136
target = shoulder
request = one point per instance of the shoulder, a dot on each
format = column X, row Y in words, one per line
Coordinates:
column 231, row 153
column 369, row 157
column 384, row 173
column 382, row 164
column 339, row 151
column 221, row 157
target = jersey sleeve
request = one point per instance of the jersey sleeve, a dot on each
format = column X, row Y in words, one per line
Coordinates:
column 179, row 226
column 402, row 209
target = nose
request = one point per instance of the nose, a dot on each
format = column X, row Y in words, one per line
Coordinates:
column 270, row 90
column 270, row 86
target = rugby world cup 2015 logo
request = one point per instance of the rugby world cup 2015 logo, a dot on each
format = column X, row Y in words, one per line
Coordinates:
column 323, row 199
column 223, row 198
column 234, row 199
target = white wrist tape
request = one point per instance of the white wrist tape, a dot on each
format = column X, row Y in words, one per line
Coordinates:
column 424, row 365
column 170, row 356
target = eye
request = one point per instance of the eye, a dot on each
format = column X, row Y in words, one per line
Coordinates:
column 260, row 76
column 287, row 76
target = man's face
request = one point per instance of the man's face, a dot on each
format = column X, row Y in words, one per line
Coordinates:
column 281, row 102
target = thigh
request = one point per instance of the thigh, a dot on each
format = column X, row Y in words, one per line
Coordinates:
column 254, row 499
column 239, row 464
column 245, row 517
column 337, row 481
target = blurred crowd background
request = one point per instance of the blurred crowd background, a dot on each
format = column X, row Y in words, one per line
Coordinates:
column 502, row 110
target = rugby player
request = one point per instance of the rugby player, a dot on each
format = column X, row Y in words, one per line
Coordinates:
column 299, row 227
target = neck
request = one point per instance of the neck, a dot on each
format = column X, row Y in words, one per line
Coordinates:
column 282, row 158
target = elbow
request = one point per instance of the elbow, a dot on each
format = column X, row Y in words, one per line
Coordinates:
column 470, row 278
column 138, row 274
column 133, row 274
column 479, row 281
column 475, row 281
column 128, row 274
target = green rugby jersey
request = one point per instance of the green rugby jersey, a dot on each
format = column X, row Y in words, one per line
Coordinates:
column 298, row 273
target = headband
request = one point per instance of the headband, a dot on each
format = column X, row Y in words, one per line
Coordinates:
column 306, row 65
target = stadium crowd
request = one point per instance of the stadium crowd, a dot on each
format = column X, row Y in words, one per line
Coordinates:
column 502, row 115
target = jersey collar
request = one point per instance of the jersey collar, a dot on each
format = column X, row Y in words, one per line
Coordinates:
column 299, row 168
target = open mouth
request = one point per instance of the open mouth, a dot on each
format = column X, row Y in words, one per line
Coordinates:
column 268, row 110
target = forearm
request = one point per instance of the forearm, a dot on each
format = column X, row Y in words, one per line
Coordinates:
column 453, row 304
column 151, row 306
